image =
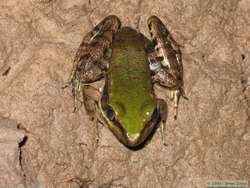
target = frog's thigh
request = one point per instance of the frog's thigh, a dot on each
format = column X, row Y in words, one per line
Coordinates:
column 88, row 64
column 165, row 79
column 111, row 22
column 161, row 75
column 106, row 28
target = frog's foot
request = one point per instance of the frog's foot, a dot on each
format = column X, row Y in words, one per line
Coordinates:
column 162, row 106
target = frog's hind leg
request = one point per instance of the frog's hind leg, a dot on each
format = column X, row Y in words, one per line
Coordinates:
column 95, row 44
column 165, row 61
column 89, row 63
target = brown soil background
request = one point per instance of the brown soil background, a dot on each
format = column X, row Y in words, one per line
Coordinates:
column 44, row 144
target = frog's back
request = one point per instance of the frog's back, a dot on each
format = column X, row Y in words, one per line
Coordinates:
column 130, row 86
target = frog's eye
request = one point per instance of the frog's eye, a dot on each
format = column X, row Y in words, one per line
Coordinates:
column 110, row 113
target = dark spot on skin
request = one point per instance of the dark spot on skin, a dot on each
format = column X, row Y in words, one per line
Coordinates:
column 243, row 57
column 103, row 38
column 94, row 42
column 95, row 30
column 150, row 26
column 159, row 58
column 84, row 56
column 135, row 78
column 154, row 41
column 5, row 73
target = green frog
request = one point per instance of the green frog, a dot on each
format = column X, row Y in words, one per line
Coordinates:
column 130, row 64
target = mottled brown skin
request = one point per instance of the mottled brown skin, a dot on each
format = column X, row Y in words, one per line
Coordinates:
column 168, row 57
column 89, row 65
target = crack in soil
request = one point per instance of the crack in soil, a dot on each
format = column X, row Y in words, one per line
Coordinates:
column 20, row 145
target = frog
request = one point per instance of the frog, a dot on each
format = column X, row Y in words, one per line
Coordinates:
column 130, row 65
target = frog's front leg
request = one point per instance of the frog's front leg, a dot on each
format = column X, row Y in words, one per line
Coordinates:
column 165, row 61
column 162, row 107
column 91, row 96
column 89, row 63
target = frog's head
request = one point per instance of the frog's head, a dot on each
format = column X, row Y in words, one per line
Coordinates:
column 131, row 125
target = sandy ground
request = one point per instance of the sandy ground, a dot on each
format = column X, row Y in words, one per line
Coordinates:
column 44, row 144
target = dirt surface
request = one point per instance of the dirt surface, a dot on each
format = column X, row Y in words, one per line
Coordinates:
column 210, row 140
